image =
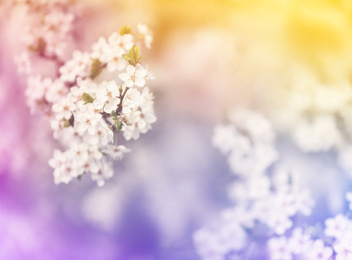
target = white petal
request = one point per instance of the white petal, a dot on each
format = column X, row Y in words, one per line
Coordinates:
column 140, row 82
column 91, row 130
column 129, row 83
column 111, row 86
column 130, row 70
column 124, row 76
column 109, row 107
column 150, row 118
column 127, row 38
column 67, row 115
column 141, row 73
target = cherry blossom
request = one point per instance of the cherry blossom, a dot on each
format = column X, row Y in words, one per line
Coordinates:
column 146, row 34
column 336, row 226
column 134, row 76
column 122, row 42
column 93, row 97
column 265, row 194
column 299, row 242
column 279, row 249
column 319, row 251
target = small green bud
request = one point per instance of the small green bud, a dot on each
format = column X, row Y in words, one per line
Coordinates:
column 66, row 123
column 87, row 98
column 118, row 125
column 125, row 30
column 133, row 56
column 96, row 68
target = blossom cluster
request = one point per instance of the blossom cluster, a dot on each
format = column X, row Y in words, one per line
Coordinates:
column 46, row 31
column 93, row 97
column 267, row 195
column 319, row 115
column 332, row 241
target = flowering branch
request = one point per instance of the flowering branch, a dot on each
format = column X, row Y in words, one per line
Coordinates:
column 86, row 111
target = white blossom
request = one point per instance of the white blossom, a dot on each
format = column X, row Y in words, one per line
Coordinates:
column 146, row 34
column 279, row 222
column 116, row 63
column 336, row 226
column 139, row 113
column 64, row 108
column 279, row 249
column 23, row 63
column 58, row 22
column 299, row 243
column 150, row 74
column 75, row 67
column 105, row 171
column 56, row 90
column 101, row 50
column 319, row 251
column 343, row 247
column 134, row 76
column 124, row 42
column 224, row 138
column 303, row 202
column 107, row 97
column 86, row 119
column 321, row 134
column 115, row 152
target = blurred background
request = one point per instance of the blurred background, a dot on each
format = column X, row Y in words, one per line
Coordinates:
column 290, row 60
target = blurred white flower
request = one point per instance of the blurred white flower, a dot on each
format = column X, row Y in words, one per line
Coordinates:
column 336, row 226
column 75, row 67
column 279, row 249
column 224, row 138
column 279, row 223
column 115, row 152
column 343, row 248
column 23, row 63
column 64, row 108
column 299, row 242
column 146, row 34
column 123, row 43
column 318, row 135
column 319, row 251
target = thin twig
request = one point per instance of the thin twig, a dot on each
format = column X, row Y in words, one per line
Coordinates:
column 119, row 107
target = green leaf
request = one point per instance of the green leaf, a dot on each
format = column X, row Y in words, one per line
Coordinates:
column 66, row 123
column 96, row 68
column 133, row 56
column 87, row 98
column 125, row 30
column 134, row 52
column 129, row 59
column 118, row 125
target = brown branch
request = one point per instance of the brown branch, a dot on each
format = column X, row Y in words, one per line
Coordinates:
column 119, row 106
